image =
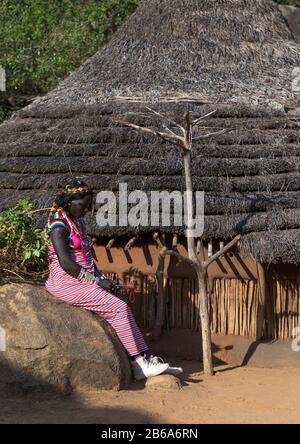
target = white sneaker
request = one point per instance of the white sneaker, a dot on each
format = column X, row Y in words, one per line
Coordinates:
column 170, row 370
column 143, row 368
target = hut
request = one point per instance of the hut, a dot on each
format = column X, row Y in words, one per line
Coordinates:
column 238, row 58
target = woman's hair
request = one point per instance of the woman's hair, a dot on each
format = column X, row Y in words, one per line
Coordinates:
column 74, row 189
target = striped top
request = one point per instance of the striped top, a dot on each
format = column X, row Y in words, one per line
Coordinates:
column 80, row 242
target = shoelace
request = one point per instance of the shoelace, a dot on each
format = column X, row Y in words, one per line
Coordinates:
column 157, row 360
column 153, row 360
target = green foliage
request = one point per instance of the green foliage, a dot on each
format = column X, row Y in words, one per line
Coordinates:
column 22, row 246
column 43, row 41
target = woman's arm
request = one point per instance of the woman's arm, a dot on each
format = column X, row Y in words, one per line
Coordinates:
column 104, row 283
column 59, row 240
column 93, row 253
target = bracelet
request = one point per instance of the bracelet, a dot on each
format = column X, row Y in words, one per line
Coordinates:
column 81, row 274
column 86, row 276
column 99, row 274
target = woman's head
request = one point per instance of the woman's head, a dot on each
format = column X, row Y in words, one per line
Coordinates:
column 76, row 198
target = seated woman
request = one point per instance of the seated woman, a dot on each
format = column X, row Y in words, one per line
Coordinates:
column 75, row 279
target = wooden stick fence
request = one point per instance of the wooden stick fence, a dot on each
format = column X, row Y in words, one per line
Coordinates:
column 285, row 306
column 234, row 305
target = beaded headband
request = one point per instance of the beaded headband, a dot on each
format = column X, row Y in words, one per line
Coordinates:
column 81, row 189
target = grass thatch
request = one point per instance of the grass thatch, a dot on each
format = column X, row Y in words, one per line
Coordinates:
column 223, row 48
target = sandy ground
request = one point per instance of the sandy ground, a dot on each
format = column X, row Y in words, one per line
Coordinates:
column 233, row 395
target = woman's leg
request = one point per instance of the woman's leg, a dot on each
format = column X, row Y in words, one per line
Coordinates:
column 118, row 314
column 123, row 322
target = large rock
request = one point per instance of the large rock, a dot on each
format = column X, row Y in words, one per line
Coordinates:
column 292, row 16
column 53, row 345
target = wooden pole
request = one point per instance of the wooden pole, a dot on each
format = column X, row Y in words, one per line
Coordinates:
column 130, row 243
column 199, row 246
column 110, row 243
column 175, row 241
column 205, row 324
column 160, row 308
column 262, row 291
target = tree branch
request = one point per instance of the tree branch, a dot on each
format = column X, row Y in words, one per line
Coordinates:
column 187, row 132
column 222, row 251
column 165, row 136
column 166, row 118
column 164, row 252
column 196, row 121
column 170, row 131
column 217, row 133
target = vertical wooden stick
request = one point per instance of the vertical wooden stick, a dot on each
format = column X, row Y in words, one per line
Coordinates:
column 160, row 309
column 262, row 292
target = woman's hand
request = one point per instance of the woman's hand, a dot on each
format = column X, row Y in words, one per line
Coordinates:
column 107, row 285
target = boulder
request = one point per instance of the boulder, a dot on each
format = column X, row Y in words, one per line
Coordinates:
column 292, row 17
column 47, row 344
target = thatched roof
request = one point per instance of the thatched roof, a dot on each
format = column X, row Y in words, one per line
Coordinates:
column 236, row 57
column 227, row 49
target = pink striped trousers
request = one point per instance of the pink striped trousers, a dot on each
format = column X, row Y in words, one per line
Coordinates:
column 91, row 296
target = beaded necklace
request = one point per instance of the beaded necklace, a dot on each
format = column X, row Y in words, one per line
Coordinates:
column 80, row 232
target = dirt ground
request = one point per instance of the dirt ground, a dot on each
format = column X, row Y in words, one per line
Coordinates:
column 234, row 395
